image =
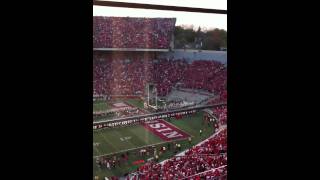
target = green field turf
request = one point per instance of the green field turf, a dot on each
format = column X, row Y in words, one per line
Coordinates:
column 135, row 102
column 100, row 106
column 100, row 118
column 191, row 125
column 110, row 140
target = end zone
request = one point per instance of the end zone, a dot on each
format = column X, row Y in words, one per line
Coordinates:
column 165, row 130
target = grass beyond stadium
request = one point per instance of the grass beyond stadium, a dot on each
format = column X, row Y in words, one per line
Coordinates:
column 119, row 140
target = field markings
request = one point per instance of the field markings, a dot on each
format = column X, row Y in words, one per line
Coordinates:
column 179, row 128
column 136, row 140
column 139, row 138
column 107, row 141
column 139, row 147
column 168, row 127
column 112, row 139
column 189, row 126
column 97, row 150
column 145, row 136
column 123, row 144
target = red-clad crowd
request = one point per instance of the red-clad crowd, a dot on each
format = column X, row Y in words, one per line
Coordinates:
column 214, row 174
column 216, row 145
column 208, row 75
column 197, row 162
column 120, row 74
column 125, row 32
column 117, row 75
column 221, row 113
column 222, row 98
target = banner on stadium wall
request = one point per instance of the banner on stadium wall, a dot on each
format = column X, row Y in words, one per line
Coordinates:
column 115, row 123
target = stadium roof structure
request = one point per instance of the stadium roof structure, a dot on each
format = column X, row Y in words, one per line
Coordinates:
column 130, row 49
column 156, row 7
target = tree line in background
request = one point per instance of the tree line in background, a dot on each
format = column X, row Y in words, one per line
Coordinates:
column 188, row 38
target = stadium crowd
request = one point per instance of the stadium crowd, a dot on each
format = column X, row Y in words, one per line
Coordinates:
column 214, row 174
column 212, row 154
column 221, row 113
column 123, row 74
column 125, row 32
column 208, row 75
column 118, row 75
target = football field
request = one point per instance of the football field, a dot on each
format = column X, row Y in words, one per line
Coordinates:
column 100, row 105
column 120, row 140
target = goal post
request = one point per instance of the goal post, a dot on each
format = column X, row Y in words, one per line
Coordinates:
column 151, row 95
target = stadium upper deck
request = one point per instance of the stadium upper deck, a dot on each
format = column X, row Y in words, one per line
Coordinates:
column 125, row 32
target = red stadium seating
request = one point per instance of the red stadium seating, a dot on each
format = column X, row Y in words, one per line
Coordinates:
column 206, row 160
column 124, row 32
column 221, row 113
column 120, row 75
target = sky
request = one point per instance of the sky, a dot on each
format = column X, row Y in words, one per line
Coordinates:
column 204, row 20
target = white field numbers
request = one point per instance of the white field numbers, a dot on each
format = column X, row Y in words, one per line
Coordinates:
column 125, row 138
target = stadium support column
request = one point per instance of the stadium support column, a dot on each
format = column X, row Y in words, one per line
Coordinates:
column 171, row 45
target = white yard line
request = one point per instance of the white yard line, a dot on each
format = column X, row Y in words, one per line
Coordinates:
column 96, row 149
column 139, row 147
column 108, row 141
